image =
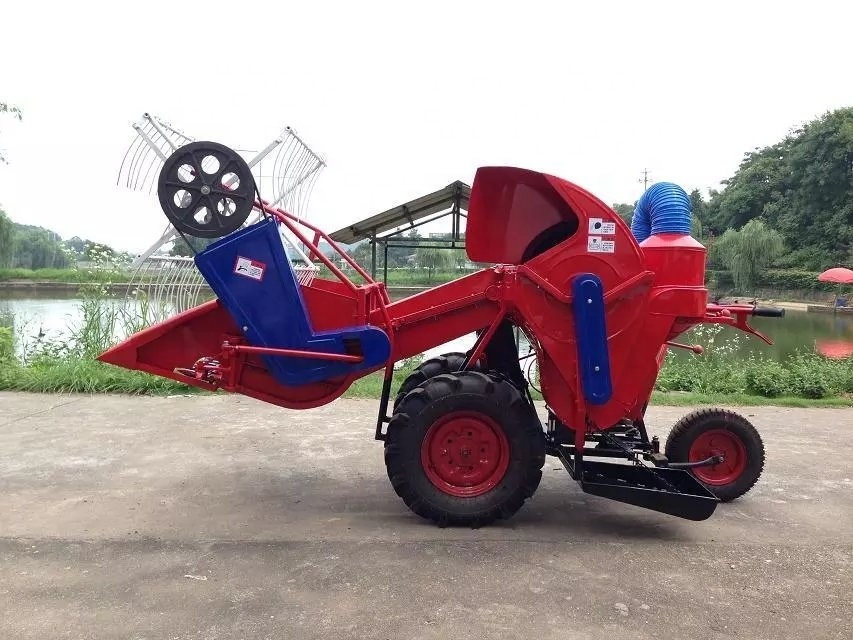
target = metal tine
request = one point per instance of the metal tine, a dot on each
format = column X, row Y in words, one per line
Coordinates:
column 285, row 171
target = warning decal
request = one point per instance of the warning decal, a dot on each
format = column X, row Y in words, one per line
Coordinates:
column 597, row 244
column 602, row 227
column 250, row 268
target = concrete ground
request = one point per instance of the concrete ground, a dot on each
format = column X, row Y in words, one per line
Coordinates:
column 221, row 517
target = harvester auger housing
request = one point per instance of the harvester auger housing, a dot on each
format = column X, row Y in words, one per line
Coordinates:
column 599, row 304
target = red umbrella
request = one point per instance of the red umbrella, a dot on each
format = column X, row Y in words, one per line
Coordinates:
column 837, row 274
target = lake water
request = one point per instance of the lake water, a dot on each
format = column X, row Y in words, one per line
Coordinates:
column 52, row 316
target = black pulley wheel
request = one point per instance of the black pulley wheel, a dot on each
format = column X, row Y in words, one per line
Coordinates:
column 206, row 190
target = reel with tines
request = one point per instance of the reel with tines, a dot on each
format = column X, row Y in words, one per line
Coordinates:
column 206, row 190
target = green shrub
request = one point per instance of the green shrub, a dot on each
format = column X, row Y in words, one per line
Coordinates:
column 808, row 384
column 779, row 279
column 810, row 376
column 767, row 378
column 793, row 279
column 675, row 377
column 7, row 345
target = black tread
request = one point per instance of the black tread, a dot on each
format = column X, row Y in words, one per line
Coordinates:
column 471, row 390
column 690, row 426
column 445, row 363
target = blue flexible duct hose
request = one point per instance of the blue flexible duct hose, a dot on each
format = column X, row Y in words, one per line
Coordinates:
column 663, row 208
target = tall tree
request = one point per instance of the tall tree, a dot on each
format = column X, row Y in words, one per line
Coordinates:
column 801, row 186
column 747, row 251
column 699, row 207
column 181, row 248
column 363, row 254
column 7, row 240
column 38, row 248
column 433, row 258
column 624, row 211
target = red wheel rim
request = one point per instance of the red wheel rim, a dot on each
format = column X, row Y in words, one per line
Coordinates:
column 465, row 454
column 719, row 442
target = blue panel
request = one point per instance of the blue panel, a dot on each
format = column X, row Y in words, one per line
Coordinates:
column 591, row 335
column 252, row 276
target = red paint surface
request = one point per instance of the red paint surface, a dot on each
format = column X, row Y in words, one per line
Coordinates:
column 465, row 454
column 718, row 442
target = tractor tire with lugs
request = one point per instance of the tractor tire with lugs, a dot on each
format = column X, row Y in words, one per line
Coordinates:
column 445, row 363
column 465, row 449
column 707, row 432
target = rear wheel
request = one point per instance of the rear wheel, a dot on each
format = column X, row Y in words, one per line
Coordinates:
column 445, row 363
column 709, row 432
column 464, row 449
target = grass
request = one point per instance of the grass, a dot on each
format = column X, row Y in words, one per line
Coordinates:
column 420, row 277
column 57, row 275
column 688, row 399
column 85, row 376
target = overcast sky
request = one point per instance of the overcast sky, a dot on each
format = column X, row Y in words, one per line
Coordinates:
column 402, row 98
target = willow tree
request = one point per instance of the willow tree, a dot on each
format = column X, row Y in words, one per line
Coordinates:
column 433, row 258
column 747, row 251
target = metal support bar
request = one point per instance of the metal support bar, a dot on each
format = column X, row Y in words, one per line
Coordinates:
column 708, row 462
column 420, row 223
column 156, row 125
column 291, row 353
column 382, row 418
column 385, row 266
column 373, row 257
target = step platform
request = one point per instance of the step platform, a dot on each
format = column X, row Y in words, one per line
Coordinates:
column 672, row 491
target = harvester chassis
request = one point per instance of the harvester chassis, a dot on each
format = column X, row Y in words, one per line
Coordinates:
column 663, row 487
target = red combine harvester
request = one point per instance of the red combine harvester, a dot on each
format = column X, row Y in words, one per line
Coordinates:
column 463, row 442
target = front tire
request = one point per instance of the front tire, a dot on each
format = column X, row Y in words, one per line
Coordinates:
column 707, row 432
column 464, row 449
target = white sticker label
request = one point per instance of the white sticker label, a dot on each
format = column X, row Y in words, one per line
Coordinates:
column 596, row 244
column 602, row 227
column 250, row 268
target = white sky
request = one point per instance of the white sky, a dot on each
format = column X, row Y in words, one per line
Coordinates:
column 403, row 98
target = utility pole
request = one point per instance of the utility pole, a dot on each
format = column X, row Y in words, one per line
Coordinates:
column 645, row 179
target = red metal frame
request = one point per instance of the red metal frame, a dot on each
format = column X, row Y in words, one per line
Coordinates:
column 653, row 294
column 290, row 353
